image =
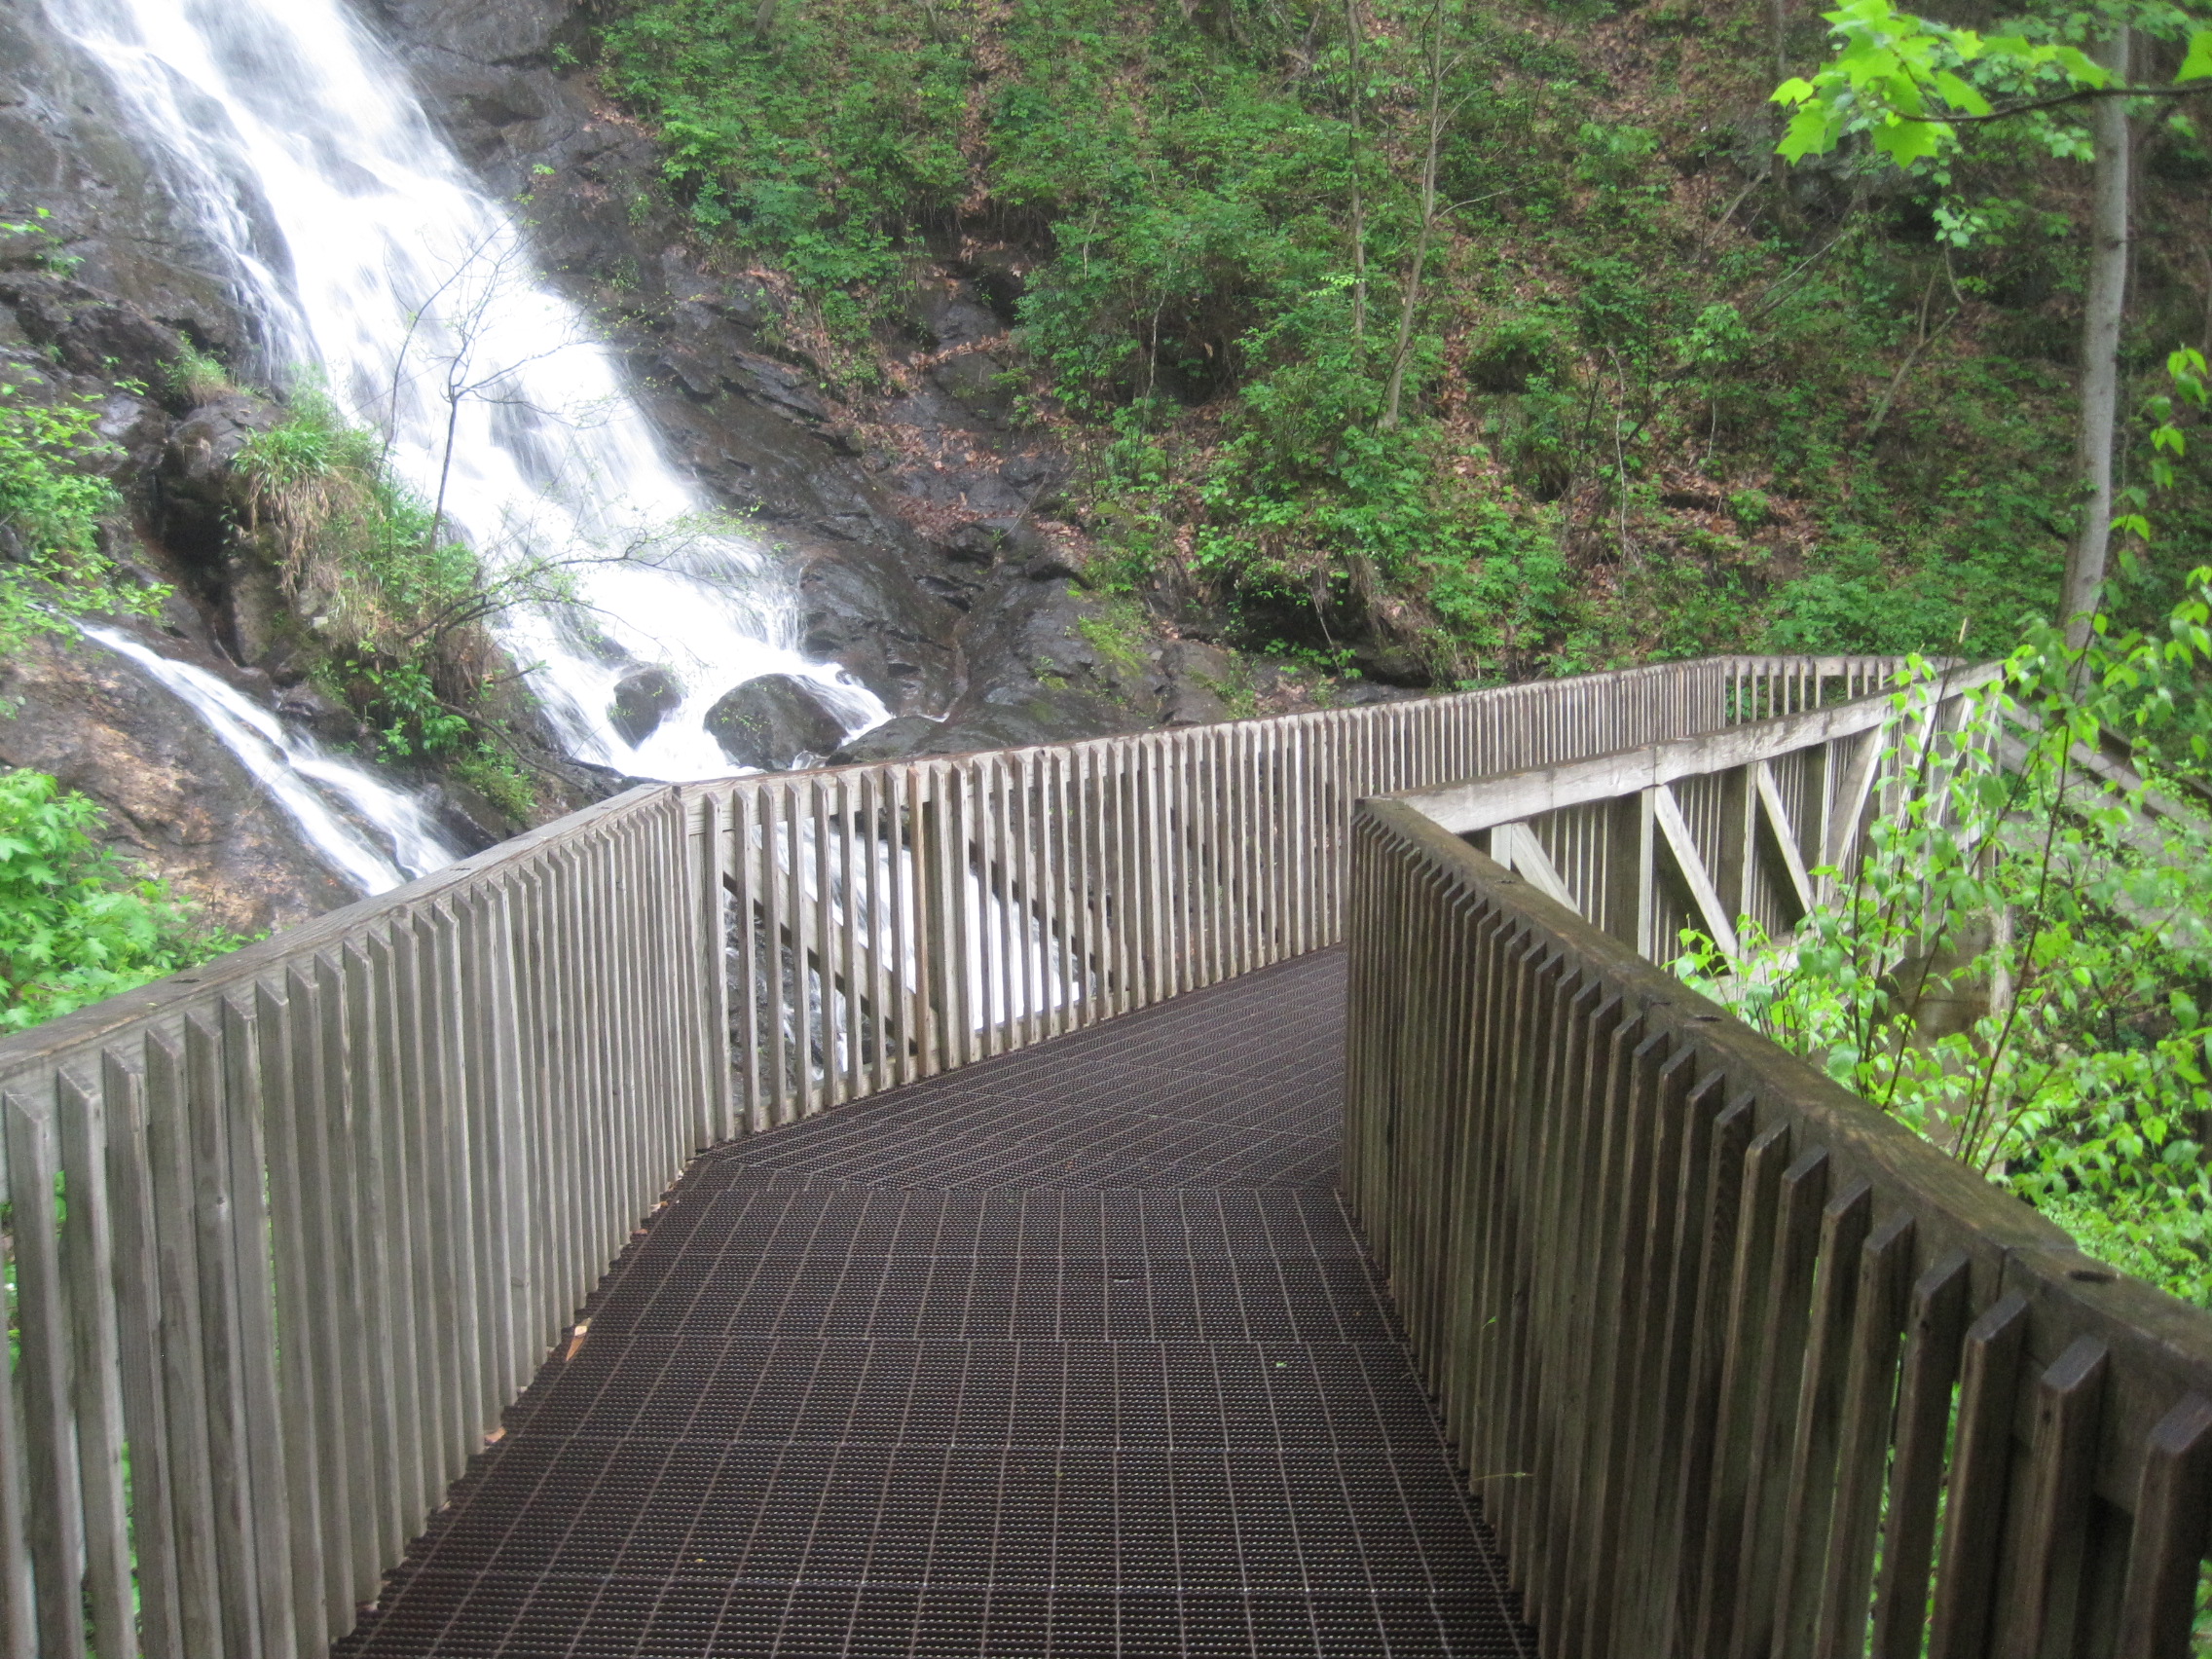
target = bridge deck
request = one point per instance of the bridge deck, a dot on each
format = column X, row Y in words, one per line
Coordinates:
column 1072, row 1352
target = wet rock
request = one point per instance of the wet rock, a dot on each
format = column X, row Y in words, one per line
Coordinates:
column 972, row 543
column 1057, row 560
column 330, row 721
column 893, row 740
column 642, row 701
column 1200, row 680
column 971, row 379
column 174, row 797
column 199, row 498
column 64, row 147
column 1001, row 276
column 1362, row 694
column 467, row 818
column 772, row 721
column 1390, row 664
column 944, row 312
column 863, row 612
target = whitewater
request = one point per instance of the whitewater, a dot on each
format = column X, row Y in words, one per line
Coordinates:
column 381, row 272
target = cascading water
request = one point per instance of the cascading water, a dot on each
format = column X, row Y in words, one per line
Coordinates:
column 376, row 263
column 333, row 804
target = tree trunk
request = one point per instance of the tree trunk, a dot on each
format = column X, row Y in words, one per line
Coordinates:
column 1352, row 32
column 2085, row 554
column 1411, row 304
column 1777, row 19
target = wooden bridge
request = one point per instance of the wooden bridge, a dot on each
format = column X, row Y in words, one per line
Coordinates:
column 1236, row 1191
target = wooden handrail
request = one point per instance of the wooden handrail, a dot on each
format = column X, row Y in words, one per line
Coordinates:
column 1717, row 1340
column 292, row 1230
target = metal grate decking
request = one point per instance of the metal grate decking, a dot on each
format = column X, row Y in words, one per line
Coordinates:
column 1070, row 1354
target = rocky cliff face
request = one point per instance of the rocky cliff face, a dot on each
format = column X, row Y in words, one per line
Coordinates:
column 143, row 285
column 921, row 524
column 932, row 565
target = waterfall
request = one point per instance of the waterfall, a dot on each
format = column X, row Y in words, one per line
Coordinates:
column 379, row 267
column 375, row 835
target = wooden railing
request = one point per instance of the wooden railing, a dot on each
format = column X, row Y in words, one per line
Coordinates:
column 889, row 922
column 288, row 1233
column 1739, row 1366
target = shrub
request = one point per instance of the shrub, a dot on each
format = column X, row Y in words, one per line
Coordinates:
column 77, row 923
column 52, row 513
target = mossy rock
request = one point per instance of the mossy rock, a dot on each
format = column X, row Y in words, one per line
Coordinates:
column 774, row 721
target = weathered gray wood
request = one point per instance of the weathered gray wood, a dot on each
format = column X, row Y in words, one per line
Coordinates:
column 44, row 1337
column 456, row 1100
column 1981, row 1476
column 2173, row 1511
column 223, row 1323
column 1464, row 808
column 1667, row 812
column 88, row 1273
column 2040, row 1615
column 186, row 1379
column 266, row 1494
column 19, row 1599
column 1838, row 1620
column 1785, row 833
column 1936, row 1327
column 1810, row 1509
column 298, row 1425
column 138, row 1358
column 1790, row 1289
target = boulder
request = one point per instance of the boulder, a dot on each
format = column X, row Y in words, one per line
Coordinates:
column 643, row 699
column 172, row 797
column 773, row 722
column 893, row 740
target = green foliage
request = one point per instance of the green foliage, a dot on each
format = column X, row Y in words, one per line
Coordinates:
column 826, row 144
column 77, row 923
column 34, row 242
column 197, row 376
column 1178, row 188
column 1896, row 76
column 52, row 510
column 1118, row 635
column 1906, row 82
column 395, row 609
column 2076, row 902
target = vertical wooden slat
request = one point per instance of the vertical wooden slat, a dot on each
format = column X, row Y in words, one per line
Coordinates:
column 42, row 1366
column 1708, row 1355
column 1808, row 1510
column 306, row 1161
column 88, row 1273
column 1981, row 1473
column 301, row 1434
column 222, row 1297
column 1733, row 1481
column 2040, row 1615
column 2173, row 1510
column 18, row 1596
column 1798, row 1229
column 1937, row 1326
column 1863, row 1441
column 268, row 1516
column 183, row 1349
column 139, row 1361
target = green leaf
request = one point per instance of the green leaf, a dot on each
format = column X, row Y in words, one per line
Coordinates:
column 1960, row 95
column 1906, row 142
column 2197, row 64
column 1811, row 134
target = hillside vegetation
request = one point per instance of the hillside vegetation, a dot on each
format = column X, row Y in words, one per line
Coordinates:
column 1655, row 395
